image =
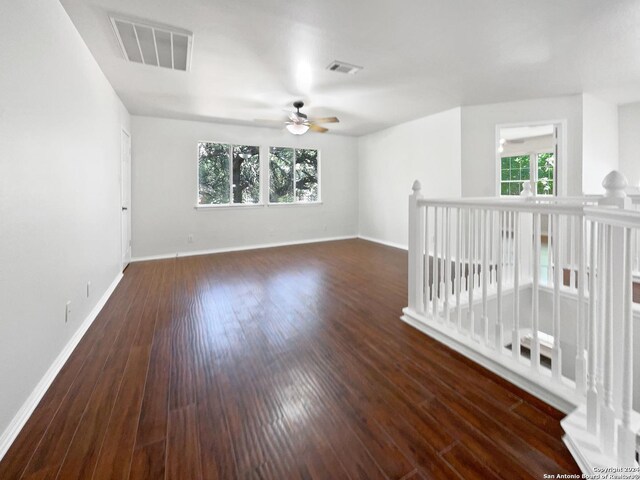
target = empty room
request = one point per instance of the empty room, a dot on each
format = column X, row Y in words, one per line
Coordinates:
column 319, row 240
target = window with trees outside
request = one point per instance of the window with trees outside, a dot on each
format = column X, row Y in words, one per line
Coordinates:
column 228, row 174
column 520, row 168
column 293, row 175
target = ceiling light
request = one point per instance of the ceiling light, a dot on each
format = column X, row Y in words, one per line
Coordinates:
column 298, row 128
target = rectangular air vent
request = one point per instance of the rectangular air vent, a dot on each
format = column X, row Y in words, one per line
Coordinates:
column 343, row 67
column 160, row 46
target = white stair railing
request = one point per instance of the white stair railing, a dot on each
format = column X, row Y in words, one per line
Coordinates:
column 540, row 290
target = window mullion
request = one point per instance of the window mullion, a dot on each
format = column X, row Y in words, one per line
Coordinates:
column 295, row 153
column 533, row 172
column 230, row 174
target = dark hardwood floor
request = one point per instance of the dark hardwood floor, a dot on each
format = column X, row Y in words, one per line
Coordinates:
column 283, row 363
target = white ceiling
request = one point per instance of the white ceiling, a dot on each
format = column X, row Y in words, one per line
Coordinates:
column 419, row 56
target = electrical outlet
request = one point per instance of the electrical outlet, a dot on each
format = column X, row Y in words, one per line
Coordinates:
column 67, row 312
column 190, row 238
column 88, row 289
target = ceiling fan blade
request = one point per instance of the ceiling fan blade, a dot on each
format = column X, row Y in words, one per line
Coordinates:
column 293, row 116
column 317, row 128
column 326, row 120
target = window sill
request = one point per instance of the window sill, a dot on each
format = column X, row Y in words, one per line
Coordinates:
column 294, row 204
column 230, row 205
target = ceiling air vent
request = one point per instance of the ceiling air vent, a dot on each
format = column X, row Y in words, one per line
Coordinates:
column 160, row 46
column 343, row 67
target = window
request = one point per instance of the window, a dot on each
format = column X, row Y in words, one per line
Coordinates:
column 516, row 169
column 228, row 174
column 546, row 166
column 293, row 175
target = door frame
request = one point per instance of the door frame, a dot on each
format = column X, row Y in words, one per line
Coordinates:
column 125, row 255
column 560, row 171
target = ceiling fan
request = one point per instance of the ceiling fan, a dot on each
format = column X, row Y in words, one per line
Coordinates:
column 298, row 123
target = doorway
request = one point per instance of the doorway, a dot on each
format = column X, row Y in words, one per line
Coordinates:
column 529, row 154
column 125, row 196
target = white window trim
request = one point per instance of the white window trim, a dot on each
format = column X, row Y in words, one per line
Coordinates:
column 209, row 206
column 560, row 170
column 218, row 206
column 295, row 202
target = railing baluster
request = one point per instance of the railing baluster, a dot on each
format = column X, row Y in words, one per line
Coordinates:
column 458, row 268
column 592, row 394
column 581, row 279
column 574, row 236
column 626, row 437
column 434, row 279
column 509, row 246
column 637, row 253
column 505, row 245
column 601, row 296
column 607, row 423
column 477, row 247
column 535, row 287
column 515, row 342
column 470, row 274
column 447, row 263
column 556, row 355
column 491, row 245
column 426, row 260
column 499, row 331
column 550, row 258
column 484, row 271
column 505, row 241
column 416, row 230
column 463, row 249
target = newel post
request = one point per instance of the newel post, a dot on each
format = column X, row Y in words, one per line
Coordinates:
column 416, row 250
column 526, row 190
column 613, row 329
column 614, row 185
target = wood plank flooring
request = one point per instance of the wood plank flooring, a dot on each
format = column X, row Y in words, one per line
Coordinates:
column 283, row 363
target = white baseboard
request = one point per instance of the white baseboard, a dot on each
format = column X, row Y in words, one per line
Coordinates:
column 19, row 420
column 383, row 242
column 239, row 249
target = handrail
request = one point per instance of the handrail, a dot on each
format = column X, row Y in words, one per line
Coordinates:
column 523, row 205
column 614, row 216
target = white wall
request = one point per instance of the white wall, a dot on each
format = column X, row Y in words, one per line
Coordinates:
column 165, row 187
column 599, row 142
column 629, row 137
column 479, row 122
column 427, row 149
column 60, row 124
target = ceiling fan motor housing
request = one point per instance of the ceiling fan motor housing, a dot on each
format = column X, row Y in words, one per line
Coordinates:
column 298, row 105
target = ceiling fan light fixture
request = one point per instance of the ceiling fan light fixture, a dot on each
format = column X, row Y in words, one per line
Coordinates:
column 297, row 128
